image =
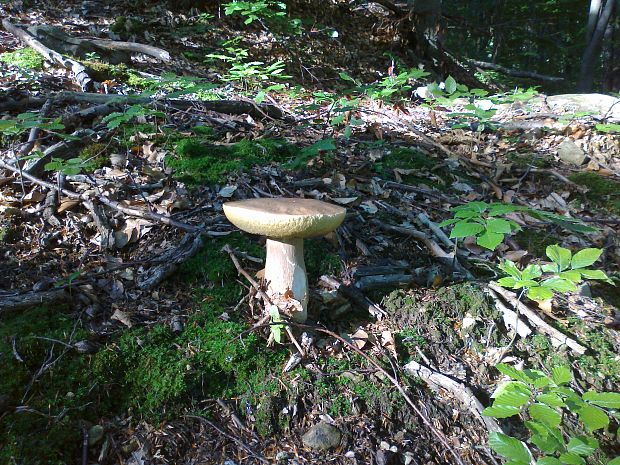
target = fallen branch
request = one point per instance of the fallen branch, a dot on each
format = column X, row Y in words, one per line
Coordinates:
column 133, row 47
column 461, row 392
column 189, row 246
column 148, row 215
column 557, row 337
column 81, row 75
column 240, row 443
column 22, row 301
column 515, row 72
column 355, row 295
column 446, row 259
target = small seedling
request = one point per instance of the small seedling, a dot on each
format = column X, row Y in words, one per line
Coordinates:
column 565, row 271
column 482, row 220
column 549, row 403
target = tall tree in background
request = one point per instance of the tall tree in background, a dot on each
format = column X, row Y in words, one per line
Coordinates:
column 601, row 12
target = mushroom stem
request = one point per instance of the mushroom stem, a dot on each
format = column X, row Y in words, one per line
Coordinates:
column 285, row 270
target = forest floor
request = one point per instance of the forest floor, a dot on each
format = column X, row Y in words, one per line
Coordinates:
column 128, row 335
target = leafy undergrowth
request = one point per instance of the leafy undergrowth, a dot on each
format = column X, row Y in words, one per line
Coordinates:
column 140, row 363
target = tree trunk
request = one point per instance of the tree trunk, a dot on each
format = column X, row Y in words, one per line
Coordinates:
column 424, row 40
column 593, row 47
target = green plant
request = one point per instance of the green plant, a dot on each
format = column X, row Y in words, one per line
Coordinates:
column 563, row 274
column 321, row 146
column 116, row 119
column 549, row 402
column 481, row 220
column 388, row 87
column 263, row 11
column 69, row 167
column 25, row 58
column 608, row 128
column 26, row 121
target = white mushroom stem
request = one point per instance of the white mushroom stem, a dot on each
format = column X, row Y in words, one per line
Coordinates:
column 285, row 270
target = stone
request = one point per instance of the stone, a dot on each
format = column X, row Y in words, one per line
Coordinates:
column 95, row 434
column 322, row 436
column 569, row 152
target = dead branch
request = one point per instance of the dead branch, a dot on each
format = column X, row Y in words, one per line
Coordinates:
column 515, row 72
column 148, row 215
column 461, row 392
column 556, row 335
column 21, row 301
column 81, row 75
column 355, row 295
column 189, row 246
column 133, row 47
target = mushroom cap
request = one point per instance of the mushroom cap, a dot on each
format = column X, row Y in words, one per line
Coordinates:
column 284, row 218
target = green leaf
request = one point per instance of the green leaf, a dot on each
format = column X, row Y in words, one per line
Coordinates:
column 448, row 222
column 510, row 268
column 450, row 85
column 508, row 282
column 593, row 417
column 501, row 411
column 561, row 375
column 552, row 400
column 595, row 274
column 509, row 447
column 497, row 209
column 490, row 240
column 603, row 399
column 540, row 293
column 497, row 225
column 547, row 439
column 582, row 445
column 512, row 394
column 615, row 461
column 513, row 373
column 548, row 461
column 465, row 229
column 571, row 459
column 545, row 414
column 571, row 275
column 566, row 222
column 585, row 257
column 559, row 255
column 531, row 271
column 559, row 285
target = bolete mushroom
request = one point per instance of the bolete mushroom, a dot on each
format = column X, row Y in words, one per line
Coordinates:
column 286, row 222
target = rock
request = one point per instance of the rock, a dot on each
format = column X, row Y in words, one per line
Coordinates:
column 595, row 104
column 569, row 152
column 322, row 436
column 95, row 434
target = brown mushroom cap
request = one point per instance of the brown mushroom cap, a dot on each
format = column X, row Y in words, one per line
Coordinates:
column 285, row 218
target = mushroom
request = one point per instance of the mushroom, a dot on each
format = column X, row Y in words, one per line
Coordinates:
column 286, row 222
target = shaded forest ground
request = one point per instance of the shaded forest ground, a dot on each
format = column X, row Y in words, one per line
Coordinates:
column 153, row 363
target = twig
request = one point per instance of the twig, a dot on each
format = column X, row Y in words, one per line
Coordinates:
column 463, row 393
column 537, row 321
column 110, row 203
column 81, row 75
column 241, row 444
column 442, row 439
column 263, row 296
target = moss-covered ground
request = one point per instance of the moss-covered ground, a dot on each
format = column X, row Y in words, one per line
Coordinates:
column 25, row 58
column 603, row 193
column 197, row 160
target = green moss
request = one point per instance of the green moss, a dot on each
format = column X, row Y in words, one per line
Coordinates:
column 124, row 25
column 602, row 192
column 102, row 71
column 95, row 157
column 437, row 321
column 25, row 58
column 198, row 162
column 523, row 160
column 61, row 398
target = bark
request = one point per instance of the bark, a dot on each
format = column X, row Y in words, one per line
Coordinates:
column 515, row 72
column 593, row 48
column 81, row 75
